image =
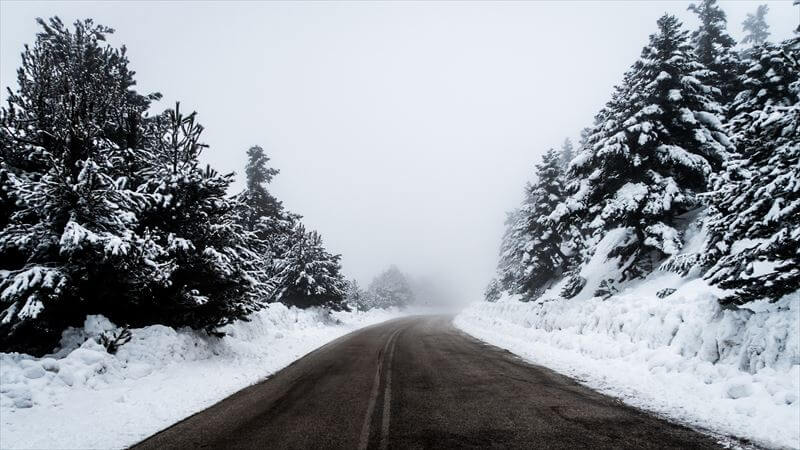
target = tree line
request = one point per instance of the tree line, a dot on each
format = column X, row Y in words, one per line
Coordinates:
column 106, row 209
column 694, row 127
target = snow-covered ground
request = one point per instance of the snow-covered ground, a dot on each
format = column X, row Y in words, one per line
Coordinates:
column 735, row 372
column 84, row 397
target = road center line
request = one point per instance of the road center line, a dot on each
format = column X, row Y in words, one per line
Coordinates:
column 387, row 396
column 373, row 397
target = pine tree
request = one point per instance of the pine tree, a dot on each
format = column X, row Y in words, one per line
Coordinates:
column 567, row 153
column 111, row 212
column 262, row 215
column 308, row 275
column 209, row 267
column 713, row 47
column 69, row 140
column 756, row 28
column 754, row 242
column 651, row 152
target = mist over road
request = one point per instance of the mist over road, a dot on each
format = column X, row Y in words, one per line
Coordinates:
column 418, row 382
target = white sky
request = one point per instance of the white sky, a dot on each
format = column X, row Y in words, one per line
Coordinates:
column 403, row 131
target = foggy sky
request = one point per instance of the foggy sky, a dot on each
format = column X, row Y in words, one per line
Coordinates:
column 403, row 131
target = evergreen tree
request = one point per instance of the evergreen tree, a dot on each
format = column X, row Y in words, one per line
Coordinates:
column 766, row 82
column 391, row 288
column 356, row 297
column 263, row 216
column 513, row 250
column 69, row 146
column 567, row 153
column 493, row 292
column 308, row 275
column 111, row 212
column 796, row 3
column 754, row 243
column 531, row 254
column 651, row 152
column 209, row 269
column 713, row 47
column 256, row 195
column 755, row 27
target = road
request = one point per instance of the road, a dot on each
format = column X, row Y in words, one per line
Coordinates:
column 418, row 382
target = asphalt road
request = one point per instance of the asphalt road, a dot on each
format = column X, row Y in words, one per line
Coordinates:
column 420, row 383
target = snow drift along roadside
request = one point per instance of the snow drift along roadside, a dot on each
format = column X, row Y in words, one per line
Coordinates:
column 83, row 397
column 735, row 372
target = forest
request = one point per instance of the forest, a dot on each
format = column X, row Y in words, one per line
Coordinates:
column 698, row 133
column 107, row 210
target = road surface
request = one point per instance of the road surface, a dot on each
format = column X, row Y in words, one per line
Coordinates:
column 418, row 382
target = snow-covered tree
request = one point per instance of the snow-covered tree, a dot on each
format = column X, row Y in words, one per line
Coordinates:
column 256, row 195
column 390, row 288
column 714, row 49
column 755, row 27
column 493, row 292
column 209, row 266
column 308, row 275
column 356, row 297
column 69, row 141
column 651, row 152
column 754, row 243
column 531, row 253
column 111, row 212
column 567, row 152
column 765, row 82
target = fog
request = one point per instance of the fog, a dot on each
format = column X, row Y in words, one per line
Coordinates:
column 403, row 131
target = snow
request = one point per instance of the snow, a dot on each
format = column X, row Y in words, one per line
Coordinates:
column 734, row 372
column 84, row 397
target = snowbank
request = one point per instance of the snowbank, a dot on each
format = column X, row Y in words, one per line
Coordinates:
column 84, row 397
column 735, row 372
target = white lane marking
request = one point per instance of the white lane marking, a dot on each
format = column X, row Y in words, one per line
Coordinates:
column 373, row 396
column 387, row 397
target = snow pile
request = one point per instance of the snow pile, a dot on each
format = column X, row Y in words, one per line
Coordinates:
column 84, row 397
column 735, row 372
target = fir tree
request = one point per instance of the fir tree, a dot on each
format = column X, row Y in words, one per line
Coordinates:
column 754, row 242
column 713, row 47
column 766, row 82
column 531, row 254
column 755, row 27
column 308, row 275
column 511, row 264
column 651, row 152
